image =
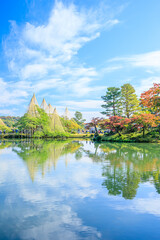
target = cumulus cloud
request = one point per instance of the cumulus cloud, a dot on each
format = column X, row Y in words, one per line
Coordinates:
column 42, row 49
column 45, row 56
column 12, row 93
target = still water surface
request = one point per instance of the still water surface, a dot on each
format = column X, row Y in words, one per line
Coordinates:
column 79, row 190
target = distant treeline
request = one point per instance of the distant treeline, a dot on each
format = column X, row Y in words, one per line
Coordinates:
column 9, row 120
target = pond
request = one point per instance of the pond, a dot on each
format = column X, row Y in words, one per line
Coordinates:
column 79, row 190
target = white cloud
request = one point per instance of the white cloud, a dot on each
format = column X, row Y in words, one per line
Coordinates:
column 12, row 93
column 145, row 84
column 39, row 49
column 111, row 69
column 43, row 56
column 87, row 104
column 150, row 59
column 7, row 112
column 88, row 108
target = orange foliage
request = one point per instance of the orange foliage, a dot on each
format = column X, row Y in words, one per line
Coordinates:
column 145, row 120
column 151, row 98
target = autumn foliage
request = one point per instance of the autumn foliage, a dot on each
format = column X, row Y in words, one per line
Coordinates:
column 135, row 116
column 95, row 122
column 151, row 99
column 145, row 120
column 116, row 123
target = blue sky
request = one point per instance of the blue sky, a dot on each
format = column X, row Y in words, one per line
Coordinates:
column 70, row 51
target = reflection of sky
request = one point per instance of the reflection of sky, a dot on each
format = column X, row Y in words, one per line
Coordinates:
column 70, row 203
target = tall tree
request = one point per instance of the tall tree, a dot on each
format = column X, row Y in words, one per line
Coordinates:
column 79, row 118
column 112, row 106
column 129, row 100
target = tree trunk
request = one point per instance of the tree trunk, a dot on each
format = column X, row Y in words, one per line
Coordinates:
column 143, row 132
column 114, row 110
column 119, row 132
column 96, row 132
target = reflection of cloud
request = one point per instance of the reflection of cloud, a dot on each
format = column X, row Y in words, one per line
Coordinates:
column 142, row 205
column 45, row 209
column 54, row 225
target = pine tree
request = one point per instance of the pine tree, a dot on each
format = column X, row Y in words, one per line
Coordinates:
column 130, row 103
column 112, row 104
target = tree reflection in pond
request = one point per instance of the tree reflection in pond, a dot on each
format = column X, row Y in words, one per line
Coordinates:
column 125, row 166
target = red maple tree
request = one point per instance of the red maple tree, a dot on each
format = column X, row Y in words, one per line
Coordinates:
column 151, row 99
column 145, row 120
column 116, row 123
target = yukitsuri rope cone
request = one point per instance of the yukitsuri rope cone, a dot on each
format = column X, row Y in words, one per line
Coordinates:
column 35, row 100
column 32, row 108
column 56, row 124
column 2, row 123
column 44, row 106
column 54, row 152
column 67, row 115
column 51, row 109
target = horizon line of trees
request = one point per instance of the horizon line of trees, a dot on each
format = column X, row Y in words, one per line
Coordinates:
column 126, row 112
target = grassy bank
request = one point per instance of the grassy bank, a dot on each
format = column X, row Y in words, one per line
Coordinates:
column 40, row 135
column 150, row 137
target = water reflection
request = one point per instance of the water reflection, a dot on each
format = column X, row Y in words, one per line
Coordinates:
column 45, row 208
column 4, row 144
column 66, row 190
column 44, row 155
column 125, row 166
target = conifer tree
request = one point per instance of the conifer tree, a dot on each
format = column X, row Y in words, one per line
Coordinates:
column 112, row 106
column 79, row 118
column 129, row 101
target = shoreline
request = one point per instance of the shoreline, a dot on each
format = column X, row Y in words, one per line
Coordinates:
column 127, row 138
column 23, row 136
column 102, row 138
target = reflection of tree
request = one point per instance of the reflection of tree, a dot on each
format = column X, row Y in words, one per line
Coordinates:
column 126, row 165
column 43, row 155
column 118, row 181
column 4, row 144
column 78, row 154
column 156, row 179
column 95, row 156
column 113, row 182
column 130, row 186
